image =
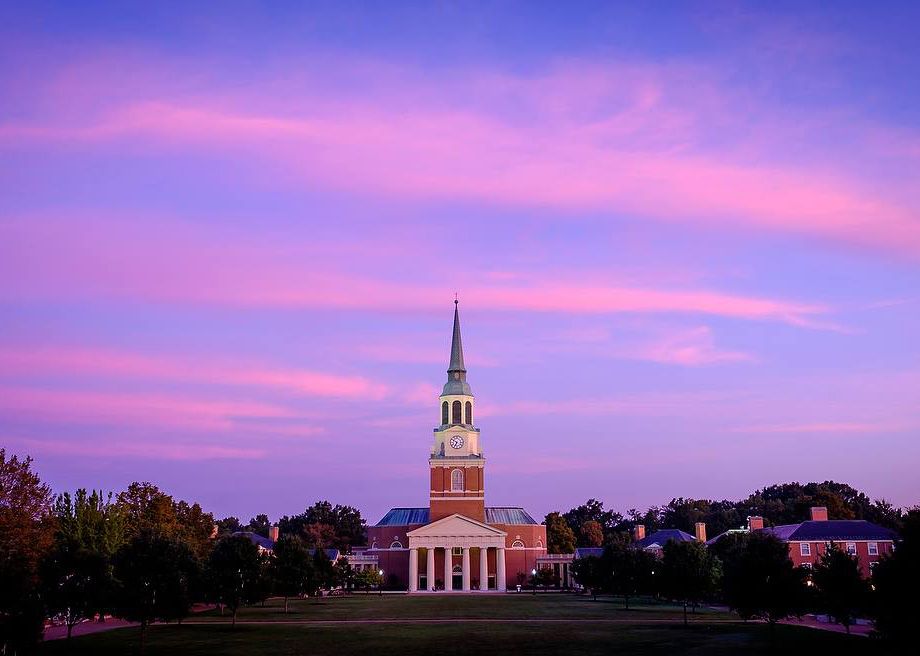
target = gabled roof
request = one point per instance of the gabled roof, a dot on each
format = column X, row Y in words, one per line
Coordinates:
column 453, row 523
column 331, row 554
column 509, row 515
column 585, row 552
column 664, row 536
column 255, row 538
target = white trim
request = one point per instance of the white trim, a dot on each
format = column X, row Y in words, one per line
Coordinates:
column 871, row 546
column 457, row 498
column 804, row 549
column 517, row 544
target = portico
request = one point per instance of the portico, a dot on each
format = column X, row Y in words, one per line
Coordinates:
column 455, row 538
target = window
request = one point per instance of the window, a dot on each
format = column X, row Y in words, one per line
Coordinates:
column 457, row 551
column 806, row 565
column 517, row 544
column 873, row 548
column 805, row 549
column 851, row 548
column 396, row 544
column 456, row 480
column 457, row 407
column 374, row 546
column 469, row 413
column 444, row 417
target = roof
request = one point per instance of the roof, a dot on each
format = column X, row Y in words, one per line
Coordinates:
column 332, row 554
column 664, row 536
column 586, row 552
column 840, row 529
column 825, row 530
column 498, row 515
column 509, row 516
column 255, row 538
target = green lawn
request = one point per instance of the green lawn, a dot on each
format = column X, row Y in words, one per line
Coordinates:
column 554, row 624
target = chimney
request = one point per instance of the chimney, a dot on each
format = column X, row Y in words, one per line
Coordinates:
column 819, row 514
column 639, row 532
column 755, row 523
column 700, row 531
column 273, row 533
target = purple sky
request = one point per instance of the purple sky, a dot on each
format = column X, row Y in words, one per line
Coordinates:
column 686, row 244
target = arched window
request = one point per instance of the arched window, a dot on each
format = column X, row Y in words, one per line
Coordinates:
column 444, row 417
column 456, row 480
column 396, row 544
column 374, row 546
column 469, row 413
column 517, row 544
column 457, row 409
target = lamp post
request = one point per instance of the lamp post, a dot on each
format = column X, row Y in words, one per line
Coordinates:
column 533, row 577
column 380, row 585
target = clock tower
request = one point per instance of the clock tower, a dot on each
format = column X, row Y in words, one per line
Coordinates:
column 456, row 462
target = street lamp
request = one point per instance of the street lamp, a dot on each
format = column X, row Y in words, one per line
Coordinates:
column 533, row 577
column 380, row 585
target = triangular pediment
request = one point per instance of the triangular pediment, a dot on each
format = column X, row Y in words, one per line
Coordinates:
column 456, row 524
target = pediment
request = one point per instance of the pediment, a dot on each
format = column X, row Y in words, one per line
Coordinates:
column 456, row 525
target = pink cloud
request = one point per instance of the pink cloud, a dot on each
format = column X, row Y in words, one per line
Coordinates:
column 692, row 347
column 625, row 138
column 113, row 363
column 824, row 427
column 47, row 256
column 155, row 450
column 111, row 408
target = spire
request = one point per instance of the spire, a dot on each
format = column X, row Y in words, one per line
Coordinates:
column 456, row 347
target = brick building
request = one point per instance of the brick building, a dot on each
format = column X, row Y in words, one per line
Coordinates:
column 456, row 543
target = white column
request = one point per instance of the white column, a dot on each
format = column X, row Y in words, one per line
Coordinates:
column 500, row 569
column 413, row 569
column 448, row 570
column 466, row 569
column 483, row 568
column 429, row 571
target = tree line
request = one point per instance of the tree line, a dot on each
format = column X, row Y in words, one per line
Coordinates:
column 591, row 525
column 145, row 557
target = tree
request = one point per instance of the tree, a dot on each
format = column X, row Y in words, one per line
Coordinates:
column 347, row 525
column 592, row 534
column 147, row 508
column 587, row 573
column 367, row 578
column 228, row 525
column 842, row 590
column 76, row 583
column 155, row 576
column 234, row 570
column 345, row 574
column 26, row 533
column 292, row 568
column 760, row 581
column 591, row 510
column 690, row 572
column 545, row 577
column 560, row 539
column 628, row 570
column 897, row 579
column 324, row 571
column 259, row 525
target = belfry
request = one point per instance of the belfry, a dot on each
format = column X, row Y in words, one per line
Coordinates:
column 457, row 543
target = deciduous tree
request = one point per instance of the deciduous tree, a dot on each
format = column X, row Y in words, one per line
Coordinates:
column 842, row 591
column 691, row 573
column 234, row 570
column 560, row 538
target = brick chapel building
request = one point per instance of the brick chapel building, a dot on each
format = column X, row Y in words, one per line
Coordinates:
column 456, row 543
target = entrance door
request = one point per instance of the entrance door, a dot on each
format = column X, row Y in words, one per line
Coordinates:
column 458, row 577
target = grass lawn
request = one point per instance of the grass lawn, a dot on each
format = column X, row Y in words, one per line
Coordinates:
column 545, row 624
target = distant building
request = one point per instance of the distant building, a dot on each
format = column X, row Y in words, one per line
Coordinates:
column 809, row 540
column 655, row 542
column 456, row 540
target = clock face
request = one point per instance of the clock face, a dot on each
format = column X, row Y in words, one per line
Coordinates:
column 456, row 441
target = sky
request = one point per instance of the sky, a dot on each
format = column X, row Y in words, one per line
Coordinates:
column 685, row 239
